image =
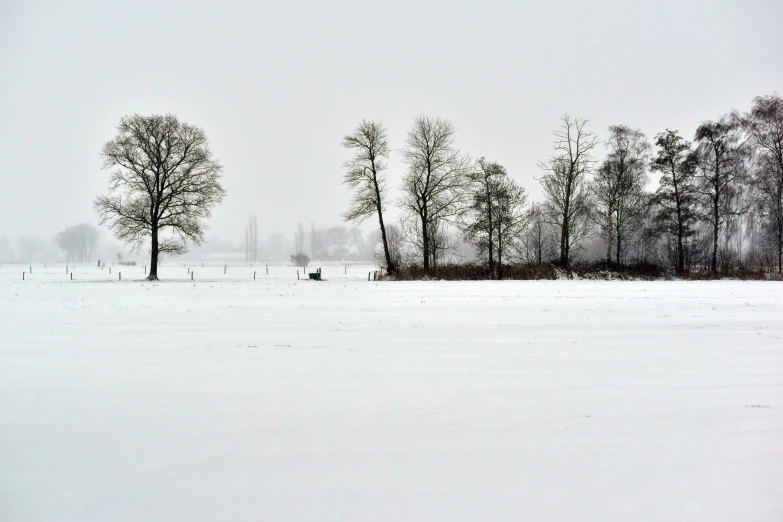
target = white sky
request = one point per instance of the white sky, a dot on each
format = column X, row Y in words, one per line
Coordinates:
column 276, row 84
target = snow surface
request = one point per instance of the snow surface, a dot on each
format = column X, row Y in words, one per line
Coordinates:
column 347, row 400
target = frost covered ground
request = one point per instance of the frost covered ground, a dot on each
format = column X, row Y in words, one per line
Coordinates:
column 348, row 400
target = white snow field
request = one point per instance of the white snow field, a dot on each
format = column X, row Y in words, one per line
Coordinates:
column 229, row 399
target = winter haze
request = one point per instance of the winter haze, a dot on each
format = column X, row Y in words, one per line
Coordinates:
column 275, row 85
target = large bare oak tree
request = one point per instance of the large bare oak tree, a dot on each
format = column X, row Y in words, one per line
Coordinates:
column 163, row 184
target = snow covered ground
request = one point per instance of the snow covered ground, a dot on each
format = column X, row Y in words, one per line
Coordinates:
column 347, row 400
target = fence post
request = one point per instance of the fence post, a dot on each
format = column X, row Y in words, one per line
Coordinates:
column 297, row 274
column 191, row 276
column 254, row 275
column 71, row 276
column 22, row 276
column 120, row 273
column 267, row 269
column 225, row 268
column 368, row 275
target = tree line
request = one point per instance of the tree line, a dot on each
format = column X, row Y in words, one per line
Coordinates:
column 717, row 206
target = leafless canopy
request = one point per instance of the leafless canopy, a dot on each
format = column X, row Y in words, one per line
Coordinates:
column 77, row 242
column 720, row 171
column 619, row 203
column 565, row 173
column 763, row 126
column 365, row 175
column 433, row 186
column 163, row 184
column 675, row 200
column 496, row 214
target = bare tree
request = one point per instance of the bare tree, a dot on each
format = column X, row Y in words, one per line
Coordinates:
column 720, row 171
column 512, row 217
column 617, row 191
column 675, row 200
column 396, row 248
column 365, row 175
column 483, row 182
column 299, row 239
column 496, row 213
column 77, row 242
column 440, row 240
column 164, row 184
column 432, row 187
column 564, row 184
column 251, row 240
column 764, row 128
column 537, row 243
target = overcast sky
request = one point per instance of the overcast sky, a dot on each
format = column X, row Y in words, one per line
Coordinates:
column 276, row 84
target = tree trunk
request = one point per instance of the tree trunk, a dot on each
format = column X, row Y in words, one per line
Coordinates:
column 390, row 268
column 564, row 243
column 609, row 239
column 489, row 223
column 154, row 250
column 715, row 229
column 500, row 256
column 425, row 241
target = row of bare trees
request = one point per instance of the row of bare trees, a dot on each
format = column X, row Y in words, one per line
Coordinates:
column 718, row 204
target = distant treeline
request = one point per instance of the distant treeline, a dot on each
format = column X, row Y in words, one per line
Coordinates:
column 717, row 207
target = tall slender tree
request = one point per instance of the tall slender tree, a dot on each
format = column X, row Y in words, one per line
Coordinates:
column 763, row 126
column 483, row 184
column 496, row 214
column 675, row 200
column 720, row 171
column 617, row 190
column 565, row 174
column 365, row 175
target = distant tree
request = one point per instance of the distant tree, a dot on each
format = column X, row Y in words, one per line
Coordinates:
column 396, row 244
column 299, row 239
column 563, row 182
column 432, row 187
column 300, row 259
column 77, row 242
column 439, row 237
column 720, row 161
column 365, row 175
column 6, row 250
column 764, row 127
column 495, row 214
column 164, row 184
column 675, row 200
column 251, row 240
column 536, row 245
column 617, row 190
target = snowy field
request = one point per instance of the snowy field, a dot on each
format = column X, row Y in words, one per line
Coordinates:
column 233, row 399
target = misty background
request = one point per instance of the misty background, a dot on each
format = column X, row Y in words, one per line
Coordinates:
column 276, row 85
